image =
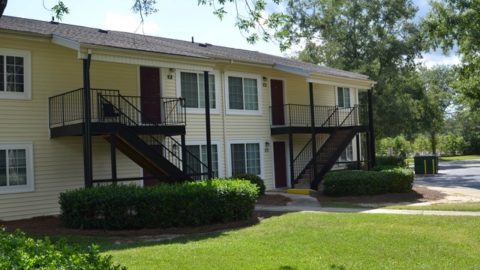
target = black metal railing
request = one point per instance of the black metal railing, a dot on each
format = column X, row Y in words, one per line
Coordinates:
column 304, row 157
column 296, row 115
column 67, row 108
column 165, row 146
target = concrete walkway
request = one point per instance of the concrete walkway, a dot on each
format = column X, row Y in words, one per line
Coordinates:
column 303, row 203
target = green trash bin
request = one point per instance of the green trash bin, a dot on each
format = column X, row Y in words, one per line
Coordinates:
column 426, row 164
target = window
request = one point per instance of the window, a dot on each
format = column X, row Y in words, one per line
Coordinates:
column 16, row 168
column 243, row 93
column 347, row 154
column 343, row 96
column 193, row 89
column 245, row 158
column 14, row 74
column 200, row 151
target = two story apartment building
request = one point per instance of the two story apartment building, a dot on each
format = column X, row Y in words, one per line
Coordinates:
column 82, row 106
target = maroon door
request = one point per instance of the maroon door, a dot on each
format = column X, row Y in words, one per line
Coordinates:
column 278, row 114
column 280, row 163
column 150, row 94
column 150, row 105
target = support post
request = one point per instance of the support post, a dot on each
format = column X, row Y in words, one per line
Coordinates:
column 87, row 120
column 357, row 142
column 207, row 124
column 290, row 152
column 312, row 124
column 369, row 160
column 113, row 157
column 184, row 154
column 371, row 130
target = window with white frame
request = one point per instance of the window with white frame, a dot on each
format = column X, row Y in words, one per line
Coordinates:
column 192, row 88
column 343, row 97
column 347, row 154
column 200, row 152
column 16, row 168
column 245, row 158
column 14, row 74
column 243, row 93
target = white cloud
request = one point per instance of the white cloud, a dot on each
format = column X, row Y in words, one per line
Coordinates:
column 129, row 23
column 437, row 58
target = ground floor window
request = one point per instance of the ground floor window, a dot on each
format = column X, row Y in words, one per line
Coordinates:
column 200, row 152
column 16, row 168
column 347, row 154
column 245, row 158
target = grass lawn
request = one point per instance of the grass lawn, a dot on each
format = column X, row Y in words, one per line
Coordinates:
column 319, row 241
column 453, row 158
column 471, row 206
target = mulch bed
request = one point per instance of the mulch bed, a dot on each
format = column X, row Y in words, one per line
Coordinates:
column 418, row 194
column 51, row 225
column 273, row 199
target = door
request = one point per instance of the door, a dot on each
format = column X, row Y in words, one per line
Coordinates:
column 150, row 95
column 150, row 102
column 280, row 163
column 278, row 110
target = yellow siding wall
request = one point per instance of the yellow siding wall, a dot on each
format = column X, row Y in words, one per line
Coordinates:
column 58, row 163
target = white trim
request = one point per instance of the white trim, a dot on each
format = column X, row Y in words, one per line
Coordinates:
column 218, row 143
column 226, row 92
column 245, row 141
column 27, row 74
column 65, row 42
column 178, row 90
column 333, row 83
column 29, row 187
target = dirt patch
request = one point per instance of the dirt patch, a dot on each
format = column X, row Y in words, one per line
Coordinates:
column 51, row 225
column 273, row 199
column 418, row 194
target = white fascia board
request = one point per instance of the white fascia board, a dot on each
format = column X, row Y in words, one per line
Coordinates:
column 65, row 42
column 341, row 84
column 292, row 70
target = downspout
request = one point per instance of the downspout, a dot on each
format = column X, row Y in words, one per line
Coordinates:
column 87, row 120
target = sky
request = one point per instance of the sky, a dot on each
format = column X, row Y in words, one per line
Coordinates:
column 177, row 19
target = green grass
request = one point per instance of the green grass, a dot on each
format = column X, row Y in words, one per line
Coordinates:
column 453, row 158
column 471, row 206
column 319, row 241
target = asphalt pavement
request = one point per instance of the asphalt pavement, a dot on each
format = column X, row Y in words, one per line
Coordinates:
column 464, row 173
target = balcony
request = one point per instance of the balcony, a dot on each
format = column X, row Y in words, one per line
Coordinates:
column 146, row 115
column 295, row 118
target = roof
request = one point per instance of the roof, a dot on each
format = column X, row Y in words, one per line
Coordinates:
column 138, row 42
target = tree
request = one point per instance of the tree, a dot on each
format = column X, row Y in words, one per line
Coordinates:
column 3, row 5
column 375, row 37
column 438, row 97
column 456, row 23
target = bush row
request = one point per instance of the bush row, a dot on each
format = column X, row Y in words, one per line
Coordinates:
column 390, row 161
column 254, row 179
column 17, row 251
column 132, row 207
column 387, row 180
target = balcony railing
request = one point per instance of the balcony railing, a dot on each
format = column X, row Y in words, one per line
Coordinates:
column 68, row 108
column 295, row 115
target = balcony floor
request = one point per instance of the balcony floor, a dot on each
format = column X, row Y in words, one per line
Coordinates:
column 278, row 130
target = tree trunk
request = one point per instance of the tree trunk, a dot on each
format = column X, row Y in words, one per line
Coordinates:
column 433, row 140
column 3, row 5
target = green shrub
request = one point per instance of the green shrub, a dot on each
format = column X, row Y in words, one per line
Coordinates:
column 133, row 207
column 388, row 180
column 397, row 146
column 254, row 179
column 17, row 251
column 390, row 161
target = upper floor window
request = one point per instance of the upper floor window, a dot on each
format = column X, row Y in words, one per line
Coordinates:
column 14, row 74
column 16, row 168
column 343, row 97
column 243, row 93
column 192, row 88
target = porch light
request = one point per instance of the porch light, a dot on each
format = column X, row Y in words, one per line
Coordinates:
column 267, row 147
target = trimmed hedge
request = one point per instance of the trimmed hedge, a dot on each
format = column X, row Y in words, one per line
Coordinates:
column 132, row 207
column 390, row 161
column 17, row 251
column 345, row 183
column 254, row 179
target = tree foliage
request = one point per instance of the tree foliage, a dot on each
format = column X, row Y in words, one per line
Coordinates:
column 456, row 23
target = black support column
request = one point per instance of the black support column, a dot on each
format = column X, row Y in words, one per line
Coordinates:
column 87, row 120
column 113, row 157
column 371, row 131
column 207, row 124
column 357, row 142
column 184, row 153
column 290, row 152
column 312, row 123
